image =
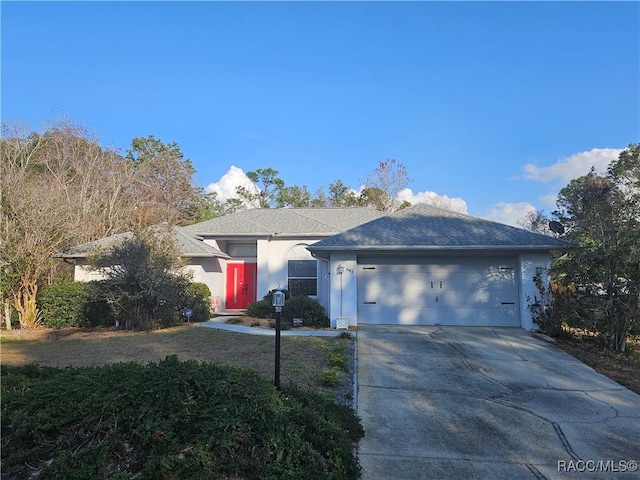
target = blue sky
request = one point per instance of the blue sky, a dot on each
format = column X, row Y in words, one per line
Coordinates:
column 497, row 104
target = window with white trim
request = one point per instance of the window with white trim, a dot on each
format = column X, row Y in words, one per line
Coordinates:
column 302, row 272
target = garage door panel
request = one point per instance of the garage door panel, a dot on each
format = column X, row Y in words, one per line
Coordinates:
column 404, row 315
column 447, row 291
column 415, row 297
column 409, row 315
column 443, row 276
column 473, row 298
column 464, row 281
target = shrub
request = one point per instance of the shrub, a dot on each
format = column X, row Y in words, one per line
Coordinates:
column 63, row 304
column 312, row 313
column 261, row 309
column 338, row 360
column 142, row 287
column 330, row 377
column 264, row 308
column 169, row 419
column 198, row 299
column 269, row 295
column 543, row 311
column 97, row 311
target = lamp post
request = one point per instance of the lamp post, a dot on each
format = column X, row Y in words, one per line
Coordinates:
column 278, row 303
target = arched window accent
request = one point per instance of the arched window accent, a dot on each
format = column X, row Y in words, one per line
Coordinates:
column 302, row 272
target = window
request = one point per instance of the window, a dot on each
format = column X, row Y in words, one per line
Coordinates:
column 239, row 250
column 302, row 274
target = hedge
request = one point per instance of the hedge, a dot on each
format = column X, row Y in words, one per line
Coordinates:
column 170, row 419
column 63, row 304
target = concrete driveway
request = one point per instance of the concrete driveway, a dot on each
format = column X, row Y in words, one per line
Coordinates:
column 488, row 403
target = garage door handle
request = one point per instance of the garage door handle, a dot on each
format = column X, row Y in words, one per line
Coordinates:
column 369, row 303
column 508, row 303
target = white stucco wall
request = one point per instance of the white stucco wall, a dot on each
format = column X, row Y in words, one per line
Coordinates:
column 208, row 271
column 272, row 263
column 529, row 262
column 344, row 288
column 83, row 272
column 324, row 286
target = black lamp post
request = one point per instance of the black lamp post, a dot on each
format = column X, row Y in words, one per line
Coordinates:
column 278, row 303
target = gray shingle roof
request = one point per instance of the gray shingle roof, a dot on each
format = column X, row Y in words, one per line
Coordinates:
column 426, row 227
column 189, row 245
column 313, row 222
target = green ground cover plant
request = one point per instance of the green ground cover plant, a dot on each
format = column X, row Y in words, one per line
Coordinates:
column 169, row 419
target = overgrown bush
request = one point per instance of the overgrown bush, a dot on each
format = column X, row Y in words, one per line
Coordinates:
column 63, row 304
column 169, row 419
column 97, row 311
column 143, row 288
column 543, row 313
column 198, row 299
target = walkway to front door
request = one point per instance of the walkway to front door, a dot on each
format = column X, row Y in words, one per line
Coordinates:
column 241, row 285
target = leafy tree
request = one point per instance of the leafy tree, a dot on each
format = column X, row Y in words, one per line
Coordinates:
column 602, row 273
column 535, row 221
column 377, row 198
column 60, row 188
column 265, row 189
column 341, row 195
column 383, row 185
column 295, row 197
column 163, row 186
column 143, row 286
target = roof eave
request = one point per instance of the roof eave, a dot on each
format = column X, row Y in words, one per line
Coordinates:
column 266, row 235
column 205, row 255
column 431, row 248
column 75, row 256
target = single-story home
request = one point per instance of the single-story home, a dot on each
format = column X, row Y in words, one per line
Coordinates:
column 420, row 265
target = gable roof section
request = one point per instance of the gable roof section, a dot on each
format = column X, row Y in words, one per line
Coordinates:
column 424, row 227
column 189, row 245
column 303, row 222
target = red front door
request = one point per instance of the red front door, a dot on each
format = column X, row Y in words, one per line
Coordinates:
column 241, row 285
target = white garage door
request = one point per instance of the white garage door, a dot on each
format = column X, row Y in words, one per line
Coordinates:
column 438, row 291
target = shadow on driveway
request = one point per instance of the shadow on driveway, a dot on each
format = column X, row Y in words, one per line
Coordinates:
column 483, row 402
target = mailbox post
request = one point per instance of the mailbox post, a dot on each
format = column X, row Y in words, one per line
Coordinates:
column 278, row 303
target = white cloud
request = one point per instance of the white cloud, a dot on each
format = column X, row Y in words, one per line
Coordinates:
column 225, row 188
column 549, row 199
column 432, row 198
column 509, row 213
column 566, row 169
